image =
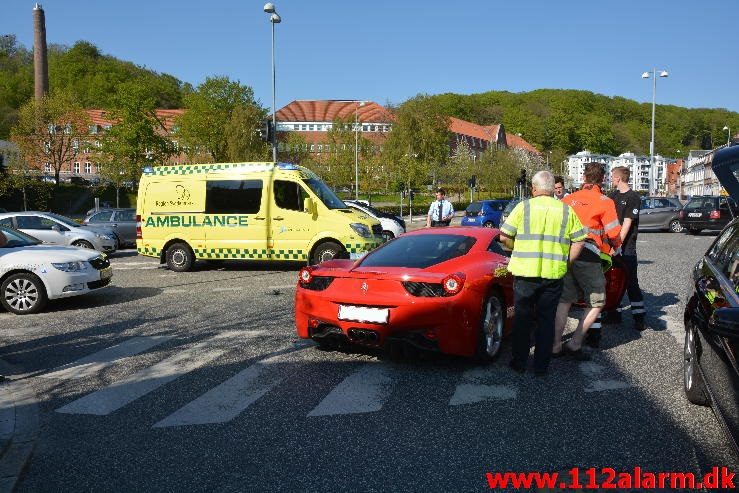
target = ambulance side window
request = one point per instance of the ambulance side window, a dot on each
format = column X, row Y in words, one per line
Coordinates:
column 289, row 195
column 233, row 196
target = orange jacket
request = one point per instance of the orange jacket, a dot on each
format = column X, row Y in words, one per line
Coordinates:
column 597, row 213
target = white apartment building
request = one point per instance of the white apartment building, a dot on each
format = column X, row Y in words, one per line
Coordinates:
column 638, row 165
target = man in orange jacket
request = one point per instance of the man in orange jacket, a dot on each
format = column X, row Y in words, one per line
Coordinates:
column 585, row 277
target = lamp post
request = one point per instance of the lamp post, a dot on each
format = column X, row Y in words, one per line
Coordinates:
column 646, row 75
column 728, row 137
column 356, row 149
column 273, row 19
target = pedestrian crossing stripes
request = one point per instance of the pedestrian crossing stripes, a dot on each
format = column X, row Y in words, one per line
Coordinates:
column 365, row 389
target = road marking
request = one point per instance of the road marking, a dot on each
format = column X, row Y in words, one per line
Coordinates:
column 232, row 397
column 174, row 291
column 143, row 267
column 364, row 391
column 593, row 370
column 286, row 286
column 226, row 289
column 95, row 362
column 123, row 392
column 674, row 327
column 472, row 390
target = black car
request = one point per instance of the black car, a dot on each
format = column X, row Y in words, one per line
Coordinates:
column 711, row 371
column 708, row 212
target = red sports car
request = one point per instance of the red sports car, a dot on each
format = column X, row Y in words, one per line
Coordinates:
column 441, row 289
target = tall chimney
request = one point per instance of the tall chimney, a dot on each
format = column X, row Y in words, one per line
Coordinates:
column 40, row 63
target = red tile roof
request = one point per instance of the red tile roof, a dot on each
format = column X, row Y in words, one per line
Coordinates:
column 516, row 141
column 102, row 117
column 330, row 110
column 463, row 127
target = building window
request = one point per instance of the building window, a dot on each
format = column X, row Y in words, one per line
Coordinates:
column 76, row 167
column 311, row 127
column 365, row 128
column 304, row 127
column 312, row 147
column 373, row 128
column 88, row 168
column 296, row 127
column 97, row 167
column 320, row 147
column 47, row 167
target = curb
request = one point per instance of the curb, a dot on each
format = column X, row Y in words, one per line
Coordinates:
column 19, row 429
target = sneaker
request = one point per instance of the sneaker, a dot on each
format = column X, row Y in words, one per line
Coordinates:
column 639, row 324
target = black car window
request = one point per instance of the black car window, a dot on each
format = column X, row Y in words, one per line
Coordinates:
column 496, row 247
column 289, row 195
column 125, row 216
column 720, row 252
column 646, row 204
column 660, row 202
column 419, row 251
column 233, row 196
column 496, row 206
column 699, row 203
column 474, row 208
column 101, row 217
column 6, row 221
column 34, row 222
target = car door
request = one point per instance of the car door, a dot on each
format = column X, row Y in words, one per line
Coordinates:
column 291, row 226
column 43, row 228
column 727, row 209
column 662, row 212
column 124, row 224
column 717, row 318
column 646, row 219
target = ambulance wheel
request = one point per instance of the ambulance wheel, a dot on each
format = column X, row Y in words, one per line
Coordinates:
column 326, row 251
column 490, row 333
column 180, row 257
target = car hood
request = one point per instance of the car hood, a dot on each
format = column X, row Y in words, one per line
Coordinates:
column 46, row 253
column 726, row 168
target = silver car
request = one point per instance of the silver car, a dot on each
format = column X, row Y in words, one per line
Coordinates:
column 660, row 213
column 54, row 229
column 121, row 221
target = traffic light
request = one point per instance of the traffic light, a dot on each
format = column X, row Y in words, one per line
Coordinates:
column 522, row 178
column 472, row 182
column 266, row 130
column 413, row 194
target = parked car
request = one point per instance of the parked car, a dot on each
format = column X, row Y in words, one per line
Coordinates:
column 59, row 230
column 392, row 226
column 485, row 213
column 508, row 209
column 708, row 212
column 103, row 205
column 710, row 370
column 121, row 221
column 660, row 213
column 32, row 273
column 436, row 289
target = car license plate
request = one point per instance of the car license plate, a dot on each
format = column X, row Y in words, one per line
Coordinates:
column 364, row 314
column 106, row 273
column 695, row 214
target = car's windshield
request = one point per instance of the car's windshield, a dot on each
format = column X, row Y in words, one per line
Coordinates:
column 474, row 208
column 64, row 220
column 511, row 205
column 419, row 251
column 324, row 193
column 700, row 203
column 15, row 238
column 497, row 206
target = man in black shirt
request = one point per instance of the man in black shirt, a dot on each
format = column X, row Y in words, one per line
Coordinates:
column 628, row 203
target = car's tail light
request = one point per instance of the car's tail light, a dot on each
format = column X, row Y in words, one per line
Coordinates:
column 453, row 284
column 715, row 215
column 305, row 275
column 424, row 289
column 307, row 280
column 138, row 227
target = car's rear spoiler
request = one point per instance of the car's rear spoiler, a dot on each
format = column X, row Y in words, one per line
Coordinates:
column 726, row 168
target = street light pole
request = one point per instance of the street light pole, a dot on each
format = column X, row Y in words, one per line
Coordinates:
column 728, row 137
column 356, row 149
column 273, row 19
column 646, row 75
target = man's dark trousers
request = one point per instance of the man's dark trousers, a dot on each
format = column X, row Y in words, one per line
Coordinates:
column 536, row 301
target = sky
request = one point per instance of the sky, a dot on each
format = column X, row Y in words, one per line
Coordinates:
column 382, row 50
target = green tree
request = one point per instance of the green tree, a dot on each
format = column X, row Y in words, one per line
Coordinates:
column 293, row 149
column 210, row 119
column 50, row 131
column 243, row 141
column 137, row 138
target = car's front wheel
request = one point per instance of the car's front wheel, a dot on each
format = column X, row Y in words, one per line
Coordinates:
column 490, row 333
column 83, row 244
column 675, row 226
column 692, row 380
column 326, row 251
column 23, row 294
column 180, row 257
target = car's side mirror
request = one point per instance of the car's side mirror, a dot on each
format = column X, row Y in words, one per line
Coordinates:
column 725, row 322
column 56, row 228
column 309, row 206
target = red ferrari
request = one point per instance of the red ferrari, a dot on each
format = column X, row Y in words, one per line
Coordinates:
column 443, row 289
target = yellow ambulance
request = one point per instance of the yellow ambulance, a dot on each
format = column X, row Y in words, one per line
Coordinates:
column 250, row 211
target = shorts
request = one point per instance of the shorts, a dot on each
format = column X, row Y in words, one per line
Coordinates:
column 585, row 281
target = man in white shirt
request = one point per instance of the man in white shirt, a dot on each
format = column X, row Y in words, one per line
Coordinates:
column 559, row 188
column 441, row 211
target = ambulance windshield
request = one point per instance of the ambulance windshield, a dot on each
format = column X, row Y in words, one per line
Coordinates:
column 325, row 194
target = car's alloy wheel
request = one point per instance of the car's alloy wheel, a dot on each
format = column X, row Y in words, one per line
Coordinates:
column 180, row 257
column 492, row 321
column 23, row 294
column 83, row 244
column 675, row 226
column 326, row 251
column 692, row 379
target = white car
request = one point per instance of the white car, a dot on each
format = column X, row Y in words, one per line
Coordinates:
column 32, row 273
column 392, row 226
column 54, row 229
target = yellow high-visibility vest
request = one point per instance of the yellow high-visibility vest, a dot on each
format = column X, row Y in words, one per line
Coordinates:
column 543, row 229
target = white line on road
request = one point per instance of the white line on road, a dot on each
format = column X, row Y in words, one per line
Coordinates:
column 286, row 286
column 123, row 392
column 364, row 391
column 226, row 289
column 95, row 362
column 174, row 291
column 143, row 267
column 232, row 397
column 593, row 370
column 472, row 390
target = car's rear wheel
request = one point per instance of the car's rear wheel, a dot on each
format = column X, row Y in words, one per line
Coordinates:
column 23, row 294
column 675, row 226
column 326, row 251
column 695, row 388
column 83, row 244
column 489, row 224
column 694, row 231
column 490, row 333
column 180, row 257
column 387, row 236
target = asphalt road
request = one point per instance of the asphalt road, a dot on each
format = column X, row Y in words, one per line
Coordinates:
column 196, row 382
